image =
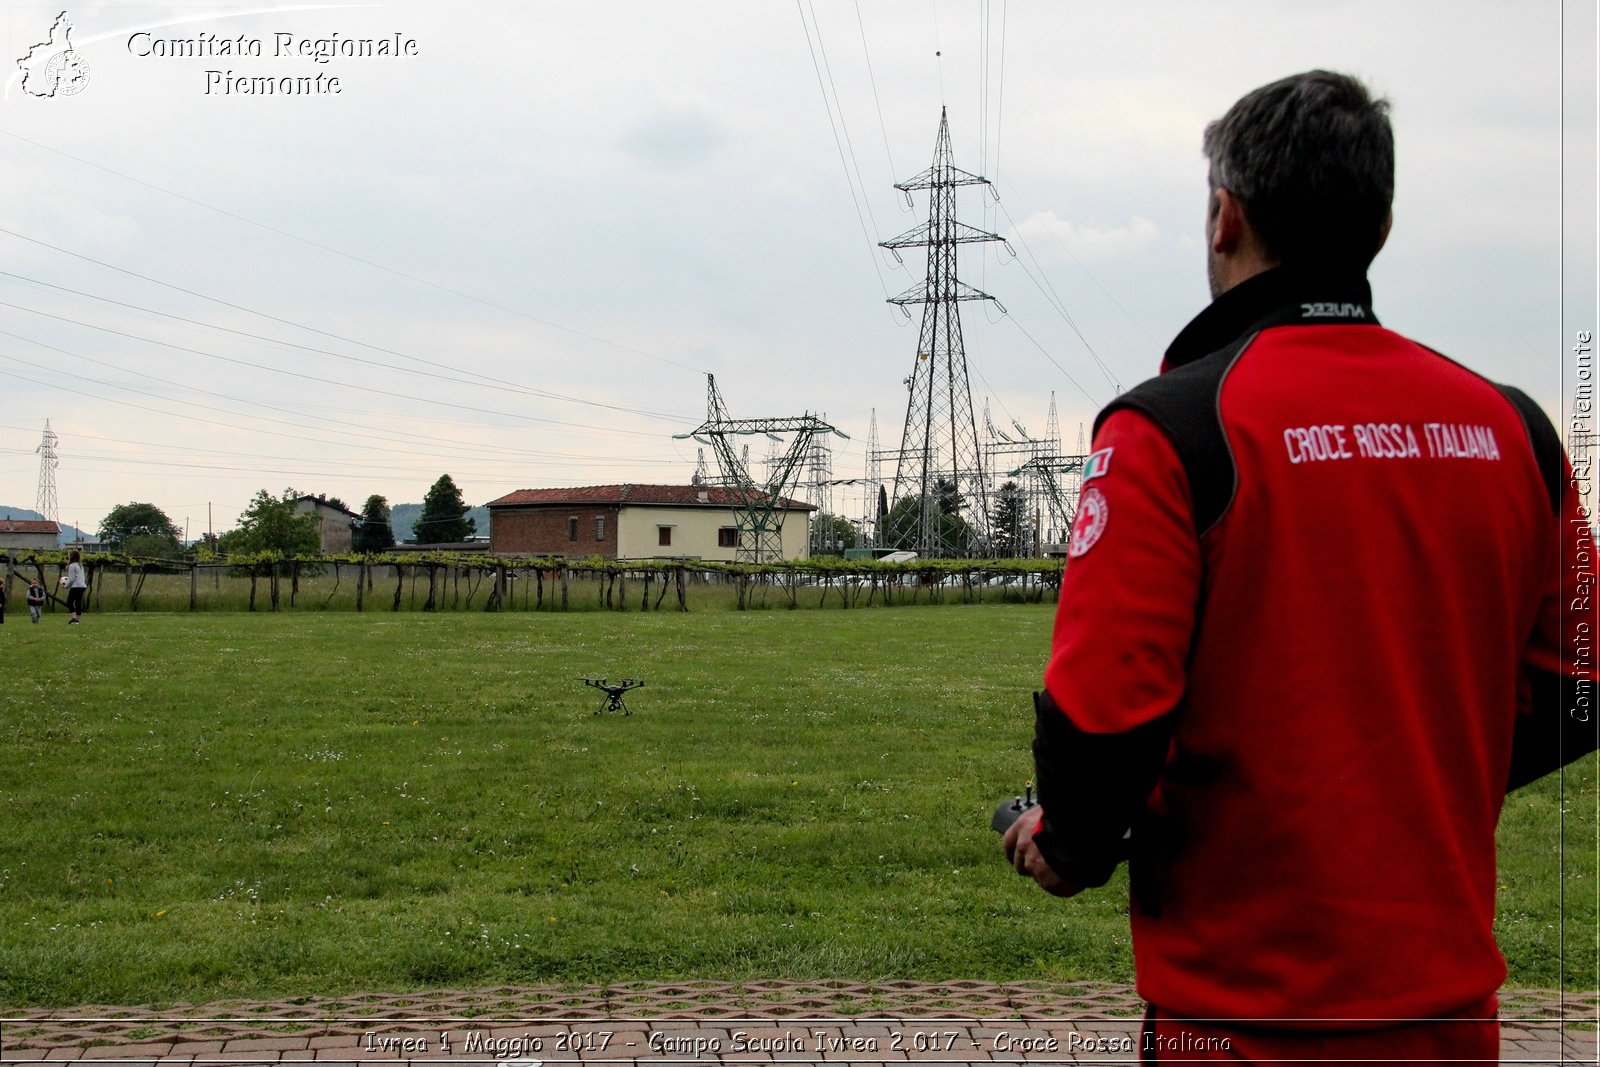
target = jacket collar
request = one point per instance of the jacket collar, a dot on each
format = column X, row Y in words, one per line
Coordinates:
column 1276, row 297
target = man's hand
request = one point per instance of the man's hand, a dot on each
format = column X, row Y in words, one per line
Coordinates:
column 1025, row 856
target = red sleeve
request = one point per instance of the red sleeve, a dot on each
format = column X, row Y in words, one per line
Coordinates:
column 1131, row 587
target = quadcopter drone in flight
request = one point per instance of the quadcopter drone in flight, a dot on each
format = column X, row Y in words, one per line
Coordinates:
column 613, row 693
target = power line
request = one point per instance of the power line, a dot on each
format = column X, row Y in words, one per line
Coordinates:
column 325, row 469
column 1055, row 300
column 305, row 348
column 1093, row 400
column 844, row 126
column 549, row 459
column 850, row 179
column 192, row 388
column 350, row 256
column 312, row 440
column 475, row 408
column 361, row 469
column 983, row 87
column 873, row 78
column 1000, row 101
column 1012, row 191
column 190, row 416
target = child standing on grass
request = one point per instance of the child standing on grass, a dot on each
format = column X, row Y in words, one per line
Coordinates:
column 35, row 598
column 76, row 584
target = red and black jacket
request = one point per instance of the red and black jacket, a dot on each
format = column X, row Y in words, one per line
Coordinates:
column 1317, row 573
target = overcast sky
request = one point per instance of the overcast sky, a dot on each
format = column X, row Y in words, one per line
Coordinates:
column 513, row 255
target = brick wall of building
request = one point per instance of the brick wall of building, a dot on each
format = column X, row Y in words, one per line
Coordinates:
column 547, row 530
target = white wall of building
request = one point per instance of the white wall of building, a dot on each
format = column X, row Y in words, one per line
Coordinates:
column 694, row 533
column 27, row 542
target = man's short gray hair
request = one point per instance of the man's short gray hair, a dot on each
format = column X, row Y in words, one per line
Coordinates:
column 1311, row 158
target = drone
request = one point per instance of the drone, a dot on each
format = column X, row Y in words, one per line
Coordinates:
column 613, row 693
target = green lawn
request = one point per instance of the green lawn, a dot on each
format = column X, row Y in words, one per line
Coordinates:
column 227, row 805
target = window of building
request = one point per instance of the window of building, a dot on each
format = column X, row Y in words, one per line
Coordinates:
column 572, row 529
column 599, row 527
column 728, row 537
column 664, row 536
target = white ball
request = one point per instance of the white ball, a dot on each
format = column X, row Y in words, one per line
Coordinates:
column 63, row 581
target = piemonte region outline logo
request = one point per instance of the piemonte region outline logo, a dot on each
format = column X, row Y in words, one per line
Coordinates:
column 53, row 67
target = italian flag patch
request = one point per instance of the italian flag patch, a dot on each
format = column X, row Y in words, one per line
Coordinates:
column 1097, row 464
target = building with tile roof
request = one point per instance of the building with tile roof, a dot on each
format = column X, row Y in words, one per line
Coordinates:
column 24, row 535
column 633, row 522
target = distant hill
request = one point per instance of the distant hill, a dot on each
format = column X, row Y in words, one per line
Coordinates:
column 403, row 517
column 69, row 533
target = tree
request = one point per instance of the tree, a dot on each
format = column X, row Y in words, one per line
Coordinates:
column 831, row 534
column 443, row 517
column 151, row 546
column 271, row 524
column 1009, row 521
column 207, row 545
column 903, row 527
column 139, row 530
column 376, row 531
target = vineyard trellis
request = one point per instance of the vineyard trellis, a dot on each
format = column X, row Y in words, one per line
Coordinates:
column 476, row 581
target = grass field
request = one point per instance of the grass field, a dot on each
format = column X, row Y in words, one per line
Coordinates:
column 227, row 805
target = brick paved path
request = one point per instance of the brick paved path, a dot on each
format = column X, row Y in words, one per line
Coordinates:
column 683, row 1025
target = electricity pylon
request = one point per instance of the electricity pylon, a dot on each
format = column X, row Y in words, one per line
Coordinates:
column 47, row 504
column 870, row 518
column 940, row 465
column 758, row 509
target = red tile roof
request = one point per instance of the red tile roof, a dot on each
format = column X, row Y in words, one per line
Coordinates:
column 624, row 495
column 29, row 526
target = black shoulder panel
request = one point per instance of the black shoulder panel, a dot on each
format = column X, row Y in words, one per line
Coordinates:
column 1183, row 404
column 1546, row 443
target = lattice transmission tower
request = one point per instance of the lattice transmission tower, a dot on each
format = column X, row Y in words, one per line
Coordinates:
column 871, row 520
column 940, row 466
column 1060, row 476
column 758, row 510
column 818, row 484
column 47, row 504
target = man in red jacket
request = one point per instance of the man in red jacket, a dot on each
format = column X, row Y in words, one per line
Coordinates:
column 1319, row 615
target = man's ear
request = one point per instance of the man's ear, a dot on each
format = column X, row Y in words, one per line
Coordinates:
column 1228, row 222
column 1383, row 234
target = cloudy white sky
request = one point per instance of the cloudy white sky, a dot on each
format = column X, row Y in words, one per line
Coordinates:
column 514, row 255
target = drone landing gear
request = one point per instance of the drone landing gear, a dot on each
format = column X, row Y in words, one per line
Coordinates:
column 613, row 693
